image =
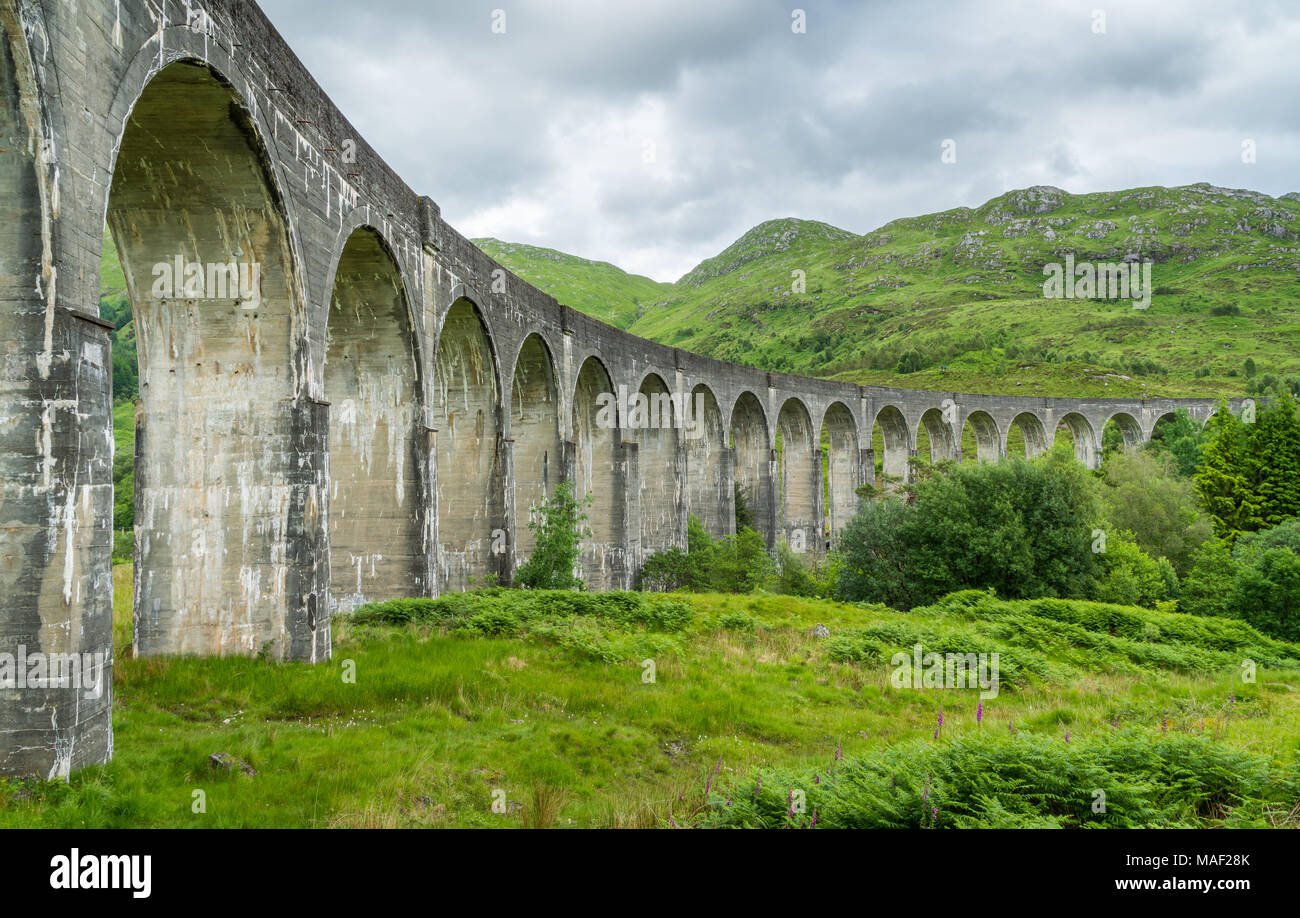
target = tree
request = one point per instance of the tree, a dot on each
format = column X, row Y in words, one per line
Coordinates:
column 1183, row 439
column 1275, row 461
column 1223, row 479
column 1204, row 589
column 558, row 530
column 1144, row 495
column 1249, row 477
column 1257, row 580
column 1021, row 527
column 1131, row 577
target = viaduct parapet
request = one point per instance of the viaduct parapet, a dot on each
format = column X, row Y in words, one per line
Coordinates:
column 341, row 398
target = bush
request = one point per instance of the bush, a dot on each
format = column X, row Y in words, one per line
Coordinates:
column 1021, row 527
column 1256, row 580
column 732, row 564
column 1144, row 495
column 557, row 526
column 1131, row 577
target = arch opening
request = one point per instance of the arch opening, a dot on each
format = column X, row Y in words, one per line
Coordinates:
column 939, row 437
column 891, row 447
column 376, row 515
column 535, row 429
column 840, row 467
column 653, row 420
column 471, row 474
column 1121, row 432
column 597, row 461
column 204, row 243
column 980, row 438
column 754, row 504
column 798, row 477
column 1026, row 436
column 1081, row 435
column 709, row 477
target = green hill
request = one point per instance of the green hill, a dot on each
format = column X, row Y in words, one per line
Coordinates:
column 964, row 289
column 595, row 287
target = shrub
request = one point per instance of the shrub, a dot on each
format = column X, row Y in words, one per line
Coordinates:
column 557, row 526
column 1022, row 527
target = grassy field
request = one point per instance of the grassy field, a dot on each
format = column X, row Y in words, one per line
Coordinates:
column 544, row 705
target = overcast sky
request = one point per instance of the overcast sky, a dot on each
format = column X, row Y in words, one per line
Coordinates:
column 652, row 134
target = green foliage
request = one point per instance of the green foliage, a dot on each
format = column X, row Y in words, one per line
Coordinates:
column 793, row 578
column 1204, row 589
column 558, row 529
column 1131, row 577
column 1257, row 580
column 744, row 517
column 1022, row 527
column 1183, row 439
column 992, row 778
column 1144, row 495
column 1249, row 477
column 732, row 564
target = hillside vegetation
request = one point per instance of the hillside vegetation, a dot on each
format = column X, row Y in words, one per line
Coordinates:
column 963, row 289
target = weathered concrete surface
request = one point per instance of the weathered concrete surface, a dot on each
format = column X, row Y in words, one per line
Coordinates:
column 377, row 417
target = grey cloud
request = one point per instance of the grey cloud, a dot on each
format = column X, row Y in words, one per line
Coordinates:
column 536, row 135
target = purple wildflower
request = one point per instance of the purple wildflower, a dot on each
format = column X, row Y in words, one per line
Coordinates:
column 817, row 779
column 941, row 715
column 979, row 713
column 814, row 821
column 758, row 785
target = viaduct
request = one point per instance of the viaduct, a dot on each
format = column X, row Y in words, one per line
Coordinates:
column 371, row 414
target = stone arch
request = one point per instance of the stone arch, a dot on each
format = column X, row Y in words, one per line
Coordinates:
column 751, row 444
column 652, row 422
column 1161, row 420
column 598, row 471
column 1082, row 435
column 372, row 384
column 985, row 434
column 537, row 450
column 466, row 413
column 943, row 441
column 890, row 442
column 799, row 478
column 1031, row 430
column 709, row 473
column 839, row 444
column 218, row 348
column 1128, row 427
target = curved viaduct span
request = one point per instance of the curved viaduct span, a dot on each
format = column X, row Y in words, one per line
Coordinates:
column 341, row 398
